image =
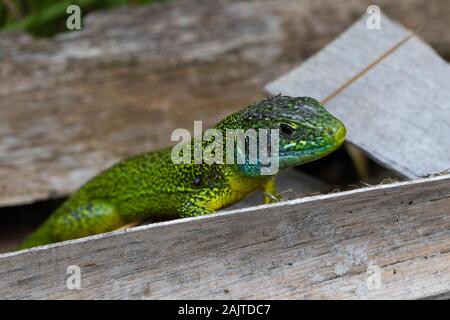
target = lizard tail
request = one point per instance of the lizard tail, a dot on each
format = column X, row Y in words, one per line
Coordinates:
column 40, row 237
column 72, row 221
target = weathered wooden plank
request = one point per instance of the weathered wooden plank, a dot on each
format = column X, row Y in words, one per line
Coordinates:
column 317, row 247
column 73, row 105
column 399, row 111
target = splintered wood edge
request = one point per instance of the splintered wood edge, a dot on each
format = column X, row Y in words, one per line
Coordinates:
column 281, row 204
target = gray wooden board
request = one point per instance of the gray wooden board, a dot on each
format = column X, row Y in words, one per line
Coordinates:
column 315, row 247
column 399, row 111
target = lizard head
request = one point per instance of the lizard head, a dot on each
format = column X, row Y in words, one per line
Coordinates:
column 307, row 131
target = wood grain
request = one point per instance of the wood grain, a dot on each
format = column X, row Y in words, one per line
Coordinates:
column 398, row 111
column 73, row 105
column 316, row 247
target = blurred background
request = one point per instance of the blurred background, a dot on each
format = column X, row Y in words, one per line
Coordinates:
column 72, row 103
column 46, row 18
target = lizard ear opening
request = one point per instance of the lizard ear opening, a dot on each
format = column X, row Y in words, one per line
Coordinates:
column 197, row 181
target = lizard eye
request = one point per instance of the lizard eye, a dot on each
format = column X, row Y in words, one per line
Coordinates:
column 286, row 129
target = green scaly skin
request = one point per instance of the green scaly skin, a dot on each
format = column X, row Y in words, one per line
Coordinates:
column 151, row 186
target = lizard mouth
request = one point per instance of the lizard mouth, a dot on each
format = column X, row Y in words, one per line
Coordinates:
column 295, row 158
column 339, row 136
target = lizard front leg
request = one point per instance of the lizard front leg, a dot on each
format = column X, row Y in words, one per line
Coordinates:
column 270, row 194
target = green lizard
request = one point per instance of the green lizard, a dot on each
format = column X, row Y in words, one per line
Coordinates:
column 151, row 186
